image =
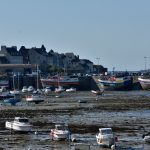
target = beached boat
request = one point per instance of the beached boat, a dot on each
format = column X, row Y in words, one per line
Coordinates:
column 60, row 89
column 97, row 92
column 24, row 89
column 144, row 82
column 116, row 82
column 4, row 83
column 61, row 80
column 13, row 100
column 46, row 90
column 36, row 98
column 6, row 96
column 18, row 124
column 106, row 138
column 14, row 92
column 147, row 138
column 60, row 132
column 71, row 89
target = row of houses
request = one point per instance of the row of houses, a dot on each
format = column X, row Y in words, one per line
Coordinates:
column 47, row 60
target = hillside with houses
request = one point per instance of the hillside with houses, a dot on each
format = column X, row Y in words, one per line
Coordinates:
column 48, row 61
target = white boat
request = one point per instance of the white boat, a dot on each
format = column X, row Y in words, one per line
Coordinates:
column 47, row 90
column 71, row 90
column 106, row 137
column 36, row 98
column 15, row 92
column 60, row 89
column 19, row 124
column 144, row 82
column 147, row 138
column 60, row 132
column 30, row 89
column 24, row 89
column 97, row 92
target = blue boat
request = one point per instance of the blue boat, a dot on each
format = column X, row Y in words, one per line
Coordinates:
column 13, row 100
column 116, row 83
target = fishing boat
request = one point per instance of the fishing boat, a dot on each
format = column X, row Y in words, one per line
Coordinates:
column 144, row 82
column 19, row 124
column 36, row 98
column 60, row 132
column 116, row 82
column 106, row 138
column 63, row 81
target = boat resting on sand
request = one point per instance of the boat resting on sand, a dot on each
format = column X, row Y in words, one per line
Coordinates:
column 18, row 124
column 144, row 82
column 60, row 132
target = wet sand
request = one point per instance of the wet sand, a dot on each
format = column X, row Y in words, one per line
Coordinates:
column 126, row 112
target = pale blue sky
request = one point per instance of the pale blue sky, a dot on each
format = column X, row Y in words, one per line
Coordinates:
column 116, row 31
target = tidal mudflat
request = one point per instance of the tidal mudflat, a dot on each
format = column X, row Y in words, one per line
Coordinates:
column 127, row 113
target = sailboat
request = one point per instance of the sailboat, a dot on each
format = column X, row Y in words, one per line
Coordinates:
column 60, row 89
column 36, row 96
column 15, row 91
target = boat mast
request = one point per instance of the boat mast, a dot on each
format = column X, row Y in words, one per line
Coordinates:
column 13, row 81
column 37, row 76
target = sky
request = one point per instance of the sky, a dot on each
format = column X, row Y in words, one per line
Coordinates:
column 113, row 33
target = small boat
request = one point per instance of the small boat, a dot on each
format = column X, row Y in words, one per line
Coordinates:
column 71, row 89
column 47, row 90
column 30, row 89
column 6, row 96
column 97, row 92
column 60, row 89
column 60, row 132
column 144, row 82
column 146, row 138
column 18, row 124
column 24, row 89
column 106, row 138
column 15, row 92
column 36, row 98
column 13, row 100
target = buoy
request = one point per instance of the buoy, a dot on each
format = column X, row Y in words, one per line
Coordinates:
column 35, row 132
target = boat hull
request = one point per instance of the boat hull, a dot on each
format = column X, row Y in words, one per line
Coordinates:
column 122, row 84
column 62, row 81
column 59, row 135
column 145, row 83
column 35, row 99
column 17, row 127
